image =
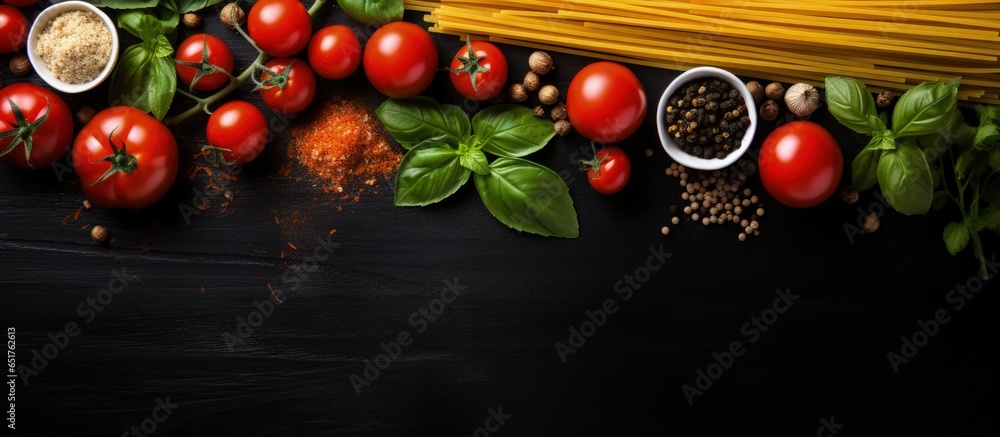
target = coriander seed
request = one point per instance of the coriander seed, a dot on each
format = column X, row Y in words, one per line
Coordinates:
column 871, row 223
column 563, row 127
column 743, row 237
column 676, row 220
column 99, row 234
column 232, row 15
column 539, row 111
column 548, row 95
column 775, row 91
column 20, row 65
column 85, row 114
column 884, row 99
column 191, row 20
column 850, row 194
column 540, row 63
column 769, row 110
column 664, row 230
column 756, row 90
column 531, row 81
column 559, row 112
column 516, row 93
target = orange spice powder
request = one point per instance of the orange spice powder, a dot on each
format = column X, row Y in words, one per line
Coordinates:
column 342, row 144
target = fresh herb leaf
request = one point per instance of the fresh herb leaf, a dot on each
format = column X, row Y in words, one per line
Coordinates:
column 986, row 135
column 883, row 140
column 956, row 237
column 924, row 110
column 940, row 199
column 511, row 130
column 428, row 174
column 988, row 114
column 124, row 4
column 380, row 12
column 987, row 220
column 528, row 197
column 864, row 170
column 419, row 119
column 850, row 103
column 905, row 178
column 185, row 6
column 474, row 159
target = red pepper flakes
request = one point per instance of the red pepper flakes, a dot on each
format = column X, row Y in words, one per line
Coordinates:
column 77, row 215
column 274, row 294
column 333, row 231
column 292, row 246
column 342, row 144
column 202, row 289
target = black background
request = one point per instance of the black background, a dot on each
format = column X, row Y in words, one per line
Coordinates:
column 494, row 346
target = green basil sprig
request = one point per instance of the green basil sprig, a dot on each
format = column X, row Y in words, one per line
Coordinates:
column 928, row 156
column 446, row 150
column 380, row 12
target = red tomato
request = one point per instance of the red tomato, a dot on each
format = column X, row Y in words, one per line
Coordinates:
column 20, row 3
column 34, row 146
column 210, row 52
column 401, row 59
column 279, row 27
column 239, row 130
column 609, row 171
column 479, row 71
column 292, row 89
column 801, row 164
column 125, row 158
column 605, row 102
column 334, row 52
column 13, row 29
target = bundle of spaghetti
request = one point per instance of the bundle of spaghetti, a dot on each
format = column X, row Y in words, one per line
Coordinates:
column 885, row 44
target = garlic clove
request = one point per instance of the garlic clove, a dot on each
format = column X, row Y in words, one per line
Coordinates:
column 802, row 99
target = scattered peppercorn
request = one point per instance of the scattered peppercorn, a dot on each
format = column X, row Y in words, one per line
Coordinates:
column 769, row 110
column 884, row 99
column 850, row 194
column 707, row 119
column 871, row 223
column 516, row 93
column 20, row 65
column 563, row 127
column 539, row 111
column 99, row 234
column 548, row 95
column 665, row 230
column 531, row 81
column 559, row 112
column 775, row 91
column 191, row 20
column 232, row 15
column 756, row 90
column 717, row 197
column 85, row 114
column 540, row 63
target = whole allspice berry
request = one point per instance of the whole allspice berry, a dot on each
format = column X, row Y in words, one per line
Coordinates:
column 775, row 91
column 769, row 110
column 559, row 112
column 871, row 223
column 232, row 15
column 539, row 111
column 516, row 93
column 191, row 20
column 85, row 114
column 563, row 127
column 531, row 82
column 20, row 65
column 99, row 234
column 850, row 194
column 756, row 90
column 548, row 95
column 884, row 99
column 540, row 63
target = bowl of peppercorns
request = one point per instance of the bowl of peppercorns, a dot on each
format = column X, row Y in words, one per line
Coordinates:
column 703, row 119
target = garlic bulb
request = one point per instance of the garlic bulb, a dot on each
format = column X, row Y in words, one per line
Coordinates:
column 802, row 99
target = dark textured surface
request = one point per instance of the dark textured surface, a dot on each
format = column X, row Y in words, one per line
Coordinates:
column 494, row 345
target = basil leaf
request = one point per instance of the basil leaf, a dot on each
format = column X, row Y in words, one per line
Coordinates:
column 994, row 160
column 924, row 110
column 185, row 6
column 511, row 130
column 864, row 170
column 528, row 197
column 956, row 237
column 850, row 103
column 940, row 199
column 162, row 86
column 883, row 140
column 428, row 174
column 986, row 135
column 124, row 4
column 135, row 21
column 380, row 12
column 905, row 179
column 475, row 160
column 419, row 119
column 987, row 220
column 145, row 76
column 988, row 114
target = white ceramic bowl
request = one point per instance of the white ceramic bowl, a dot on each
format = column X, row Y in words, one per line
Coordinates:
column 39, row 65
column 682, row 157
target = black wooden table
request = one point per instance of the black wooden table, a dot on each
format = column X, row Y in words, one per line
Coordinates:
column 442, row 321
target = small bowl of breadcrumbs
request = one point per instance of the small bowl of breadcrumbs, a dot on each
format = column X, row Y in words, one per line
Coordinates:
column 73, row 46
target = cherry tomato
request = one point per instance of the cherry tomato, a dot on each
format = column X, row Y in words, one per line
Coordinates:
column 239, row 130
column 20, row 3
column 606, row 102
column 34, row 146
column 800, row 164
column 609, row 171
column 479, row 71
column 334, row 52
column 125, row 158
column 401, row 59
column 13, row 29
column 293, row 87
column 279, row 27
column 210, row 51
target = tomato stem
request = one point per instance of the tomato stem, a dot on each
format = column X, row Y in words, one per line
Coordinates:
column 202, row 104
column 22, row 130
column 121, row 161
